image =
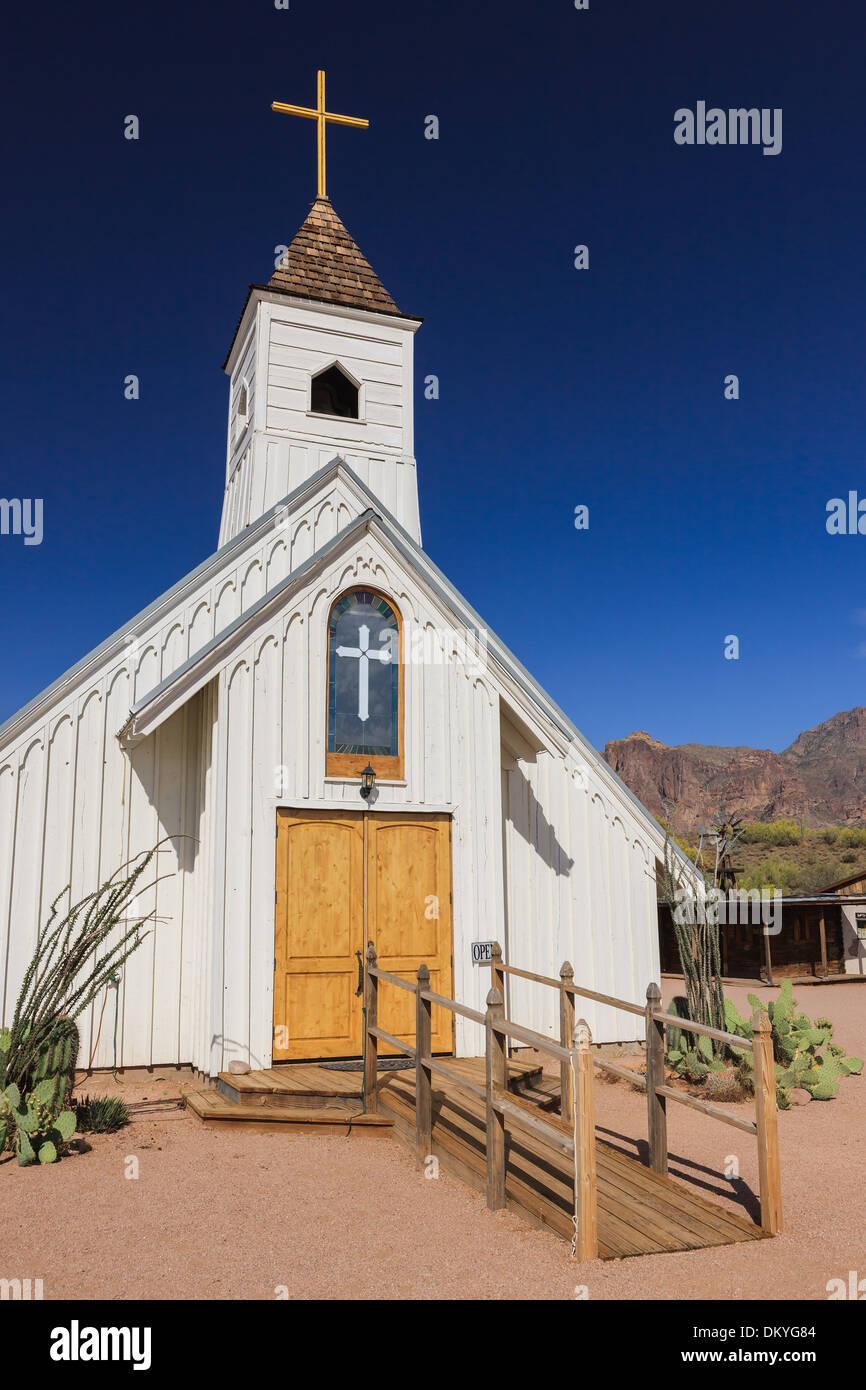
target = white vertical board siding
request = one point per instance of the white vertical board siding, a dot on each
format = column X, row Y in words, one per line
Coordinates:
column 198, row 942
column 173, row 792
column 237, row 828
column 477, row 867
column 26, row 887
column 59, row 818
column 267, row 758
column 77, row 810
column 285, row 443
column 579, row 889
column 8, row 790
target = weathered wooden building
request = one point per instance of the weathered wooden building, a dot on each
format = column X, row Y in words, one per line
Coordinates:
column 238, row 714
column 814, row 940
column 852, row 894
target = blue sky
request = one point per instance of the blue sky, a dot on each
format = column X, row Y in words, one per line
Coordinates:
column 558, row 387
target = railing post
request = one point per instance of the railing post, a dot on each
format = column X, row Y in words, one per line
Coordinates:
column 586, row 1195
column 497, row 974
column 657, row 1120
column 766, row 1120
column 423, row 1074
column 371, row 1042
column 496, row 1078
column 566, row 1034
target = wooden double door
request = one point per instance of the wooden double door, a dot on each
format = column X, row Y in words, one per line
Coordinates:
column 345, row 878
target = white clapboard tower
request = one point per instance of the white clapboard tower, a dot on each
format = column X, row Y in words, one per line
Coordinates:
column 240, row 714
column 324, row 311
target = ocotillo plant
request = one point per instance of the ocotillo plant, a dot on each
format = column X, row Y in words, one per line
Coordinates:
column 697, row 934
column 66, row 974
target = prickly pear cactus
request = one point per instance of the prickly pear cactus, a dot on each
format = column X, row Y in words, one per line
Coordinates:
column 806, row 1058
column 32, row 1126
column 56, row 1061
column 5, row 1045
column 677, row 1039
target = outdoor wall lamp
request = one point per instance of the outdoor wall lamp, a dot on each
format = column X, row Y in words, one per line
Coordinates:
column 368, row 777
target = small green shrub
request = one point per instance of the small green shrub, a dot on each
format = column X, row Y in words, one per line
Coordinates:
column 724, row 1085
column 101, row 1114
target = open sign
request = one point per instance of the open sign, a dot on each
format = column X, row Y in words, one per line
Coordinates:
column 482, row 952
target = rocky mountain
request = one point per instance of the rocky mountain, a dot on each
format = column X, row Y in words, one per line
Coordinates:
column 821, row 776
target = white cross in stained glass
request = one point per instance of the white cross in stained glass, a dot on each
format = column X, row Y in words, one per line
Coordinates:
column 364, row 655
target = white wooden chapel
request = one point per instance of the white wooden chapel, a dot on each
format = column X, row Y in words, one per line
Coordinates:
column 238, row 714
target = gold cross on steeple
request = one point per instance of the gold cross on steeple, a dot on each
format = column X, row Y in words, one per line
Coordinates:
column 320, row 116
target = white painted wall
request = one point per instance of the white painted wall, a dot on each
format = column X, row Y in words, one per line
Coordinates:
column 282, row 344
column 73, row 809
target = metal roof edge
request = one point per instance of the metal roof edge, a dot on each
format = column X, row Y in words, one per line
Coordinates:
column 10, row 726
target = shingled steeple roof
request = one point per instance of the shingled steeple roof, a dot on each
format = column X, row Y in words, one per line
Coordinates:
column 323, row 262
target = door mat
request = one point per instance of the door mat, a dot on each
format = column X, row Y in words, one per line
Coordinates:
column 382, row 1064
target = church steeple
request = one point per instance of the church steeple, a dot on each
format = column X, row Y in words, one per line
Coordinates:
column 321, row 366
column 325, row 263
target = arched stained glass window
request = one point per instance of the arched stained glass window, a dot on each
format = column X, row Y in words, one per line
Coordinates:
column 364, row 687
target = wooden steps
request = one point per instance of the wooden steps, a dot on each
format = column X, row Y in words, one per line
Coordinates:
column 272, row 1114
column 310, row 1098
column 291, row 1083
column 640, row 1212
column 541, row 1092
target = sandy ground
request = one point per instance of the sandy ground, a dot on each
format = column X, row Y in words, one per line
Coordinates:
column 243, row 1216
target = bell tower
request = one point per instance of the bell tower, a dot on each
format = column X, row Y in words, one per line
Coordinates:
column 320, row 366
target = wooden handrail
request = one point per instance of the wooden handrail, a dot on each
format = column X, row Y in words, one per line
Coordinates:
column 391, row 979
column 455, row 1008
column 765, row 1125
column 442, row 1070
column 706, row 1107
column 577, row 1064
column 559, row 1139
column 577, row 1060
column 686, row 1026
column 531, row 1038
column 623, row 1073
column 390, row 1040
column 566, row 985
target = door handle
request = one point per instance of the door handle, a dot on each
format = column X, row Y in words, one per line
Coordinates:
column 360, row 988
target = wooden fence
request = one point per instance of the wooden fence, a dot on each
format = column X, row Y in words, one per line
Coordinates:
column 577, row 1062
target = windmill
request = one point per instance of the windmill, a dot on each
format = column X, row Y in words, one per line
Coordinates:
column 724, row 833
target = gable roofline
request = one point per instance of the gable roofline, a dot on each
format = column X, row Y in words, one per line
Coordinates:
column 18, row 721
column 185, row 675
column 844, row 882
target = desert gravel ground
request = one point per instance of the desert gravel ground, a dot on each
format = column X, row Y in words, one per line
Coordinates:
column 242, row 1216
